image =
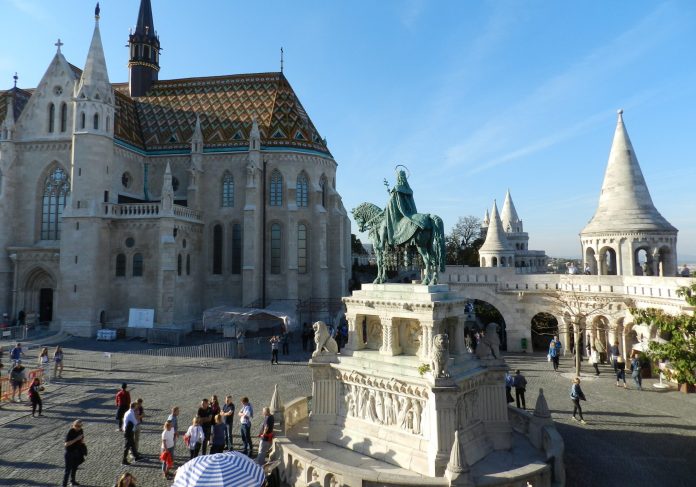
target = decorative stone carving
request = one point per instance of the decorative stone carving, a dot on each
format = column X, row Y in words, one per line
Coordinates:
column 440, row 356
column 325, row 344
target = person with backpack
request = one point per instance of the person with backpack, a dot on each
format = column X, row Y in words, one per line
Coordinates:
column 194, row 437
column 576, row 395
column 555, row 352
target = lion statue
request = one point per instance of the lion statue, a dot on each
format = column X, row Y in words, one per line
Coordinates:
column 323, row 339
column 440, row 356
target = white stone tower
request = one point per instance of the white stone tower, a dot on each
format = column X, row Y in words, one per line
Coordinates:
column 516, row 236
column 627, row 235
column 496, row 251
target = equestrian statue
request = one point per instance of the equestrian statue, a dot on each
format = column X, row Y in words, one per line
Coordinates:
column 400, row 225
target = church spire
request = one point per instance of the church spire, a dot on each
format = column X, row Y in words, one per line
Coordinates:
column 511, row 222
column 254, row 136
column 144, row 52
column 625, row 202
column 7, row 127
column 197, row 138
column 95, row 77
column 496, row 241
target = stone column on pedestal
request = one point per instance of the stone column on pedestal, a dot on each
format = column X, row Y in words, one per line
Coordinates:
column 390, row 337
column 356, row 341
column 443, row 424
column 459, row 346
column 325, row 389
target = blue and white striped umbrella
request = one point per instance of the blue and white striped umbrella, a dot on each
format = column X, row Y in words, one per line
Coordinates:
column 231, row 469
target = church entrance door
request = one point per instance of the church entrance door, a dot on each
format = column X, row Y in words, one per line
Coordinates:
column 45, row 305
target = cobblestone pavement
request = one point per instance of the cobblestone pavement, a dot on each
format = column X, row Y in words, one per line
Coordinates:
column 633, row 438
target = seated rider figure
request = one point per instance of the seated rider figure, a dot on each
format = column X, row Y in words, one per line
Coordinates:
column 401, row 219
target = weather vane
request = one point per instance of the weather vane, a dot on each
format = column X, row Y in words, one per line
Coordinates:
column 281, row 59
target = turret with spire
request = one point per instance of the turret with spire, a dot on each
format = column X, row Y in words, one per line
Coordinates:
column 511, row 222
column 144, row 47
column 626, row 221
column 496, row 251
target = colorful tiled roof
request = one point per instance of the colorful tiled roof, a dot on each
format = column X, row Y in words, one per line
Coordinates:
column 21, row 97
column 226, row 105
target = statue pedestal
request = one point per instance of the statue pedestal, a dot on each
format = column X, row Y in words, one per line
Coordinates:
column 405, row 382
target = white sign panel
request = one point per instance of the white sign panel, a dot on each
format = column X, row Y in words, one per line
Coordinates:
column 141, row 318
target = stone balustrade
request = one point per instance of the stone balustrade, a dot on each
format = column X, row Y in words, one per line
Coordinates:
column 147, row 210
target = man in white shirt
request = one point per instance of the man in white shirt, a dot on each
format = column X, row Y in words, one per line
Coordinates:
column 246, row 413
column 130, row 421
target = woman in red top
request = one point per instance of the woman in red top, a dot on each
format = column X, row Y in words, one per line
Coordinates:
column 123, row 401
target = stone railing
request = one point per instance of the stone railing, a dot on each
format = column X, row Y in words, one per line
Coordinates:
column 187, row 213
column 296, row 411
column 148, row 210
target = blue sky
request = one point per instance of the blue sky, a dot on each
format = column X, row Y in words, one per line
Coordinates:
column 473, row 97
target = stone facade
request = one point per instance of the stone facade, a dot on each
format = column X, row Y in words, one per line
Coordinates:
column 199, row 193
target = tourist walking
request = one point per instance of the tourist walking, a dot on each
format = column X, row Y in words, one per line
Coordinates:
column 167, row 448
column 174, row 419
column 130, row 421
column 126, row 480
column 75, row 452
column 123, row 401
column 228, row 414
column 520, row 388
column 265, row 436
column 45, row 365
column 246, row 414
column 194, row 437
column 594, row 358
column 636, row 367
column 555, row 352
column 58, row 362
column 614, row 353
column 139, row 413
column 621, row 371
column 205, row 421
column 217, row 439
column 576, row 395
column 35, row 397
column 274, row 349
column 18, row 376
column 16, row 354
column 509, row 383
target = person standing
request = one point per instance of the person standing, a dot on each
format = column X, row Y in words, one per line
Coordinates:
column 217, row 440
column 194, row 437
column 16, row 354
column 167, row 448
column 509, row 383
column 58, row 362
column 614, row 352
column 17, row 378
column 576, row 395
column 139, row 413
column 130, row 421
column 594, row 358
column 45, row 364
column 35, row 397
column 621, row 371
column 123, row 401
column 555, row 352
column 205, row 420
column 126, row 480
column 266, row 436
column 636, row 367
column 174, row 419
column 228, row 414
column 520, row 388
column 246, row 414
column 75, row 451
column 274, row 349
column 241, row 348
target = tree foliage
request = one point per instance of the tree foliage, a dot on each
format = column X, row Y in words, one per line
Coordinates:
column 680, row 331
column 463, row 242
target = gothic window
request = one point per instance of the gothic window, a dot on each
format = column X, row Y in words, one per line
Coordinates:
column 227, row 190
column 83, row 120
column 63, row 117
column 188, row 264
column 121, row 265
column 51, row 117
column 236, row 248
column 302, row 248
column 276, row 193
column 301, row 191
column 175, row 184
column 217, row 249
column 178, row 265
column 96, row 121
column 56, row 189
column 323, row 184
column 275, row 248
column 138, row 265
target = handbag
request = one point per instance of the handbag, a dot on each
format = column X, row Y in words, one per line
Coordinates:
column 548, row 357
column 187, row 440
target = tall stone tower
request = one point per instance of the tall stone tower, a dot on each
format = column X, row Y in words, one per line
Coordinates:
column 496, row 251
column 144, row 47
column 627, row 235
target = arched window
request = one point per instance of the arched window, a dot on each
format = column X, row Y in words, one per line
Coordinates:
column 96, row 121
column 324, row 185
column 217, row 249
column 301, row 191
column 121, row 265
column 236, row 248
column 302, row 248
column 227, row 190
column 63, row 117
column 56, row 189
column 275, row 248
column 188, row 264
column 51, row 117
column 178, row 265
column 83, row 120
column 138, row 265
column 276, row 193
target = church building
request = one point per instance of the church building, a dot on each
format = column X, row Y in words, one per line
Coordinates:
column 172, row 195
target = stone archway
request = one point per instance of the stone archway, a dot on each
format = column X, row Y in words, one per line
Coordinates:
column 544, row 328
column 607, row 262
column 38, row 294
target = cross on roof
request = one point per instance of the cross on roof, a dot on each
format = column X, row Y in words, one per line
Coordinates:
column 58, row 44
column 15, row 78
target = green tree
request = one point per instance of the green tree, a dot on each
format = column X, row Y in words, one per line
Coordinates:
column 680, row 331
column 463, row 241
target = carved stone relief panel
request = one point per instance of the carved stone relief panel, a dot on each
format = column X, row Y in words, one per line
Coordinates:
column 410, row 336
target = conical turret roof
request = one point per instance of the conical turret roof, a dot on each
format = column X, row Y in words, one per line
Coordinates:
column 625, row 203
column 509, row 214
column 496, row 241
column 95, row 77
